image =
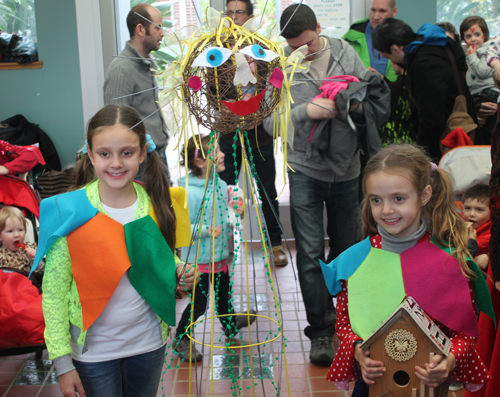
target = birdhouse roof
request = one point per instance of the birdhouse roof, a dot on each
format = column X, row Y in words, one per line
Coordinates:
column 437, row 337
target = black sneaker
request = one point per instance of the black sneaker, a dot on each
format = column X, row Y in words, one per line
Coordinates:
column 181, row 347
column 240, row 320
column 321, row 351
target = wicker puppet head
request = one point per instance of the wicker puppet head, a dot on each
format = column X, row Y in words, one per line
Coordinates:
column 229, row 76
column 232, row 78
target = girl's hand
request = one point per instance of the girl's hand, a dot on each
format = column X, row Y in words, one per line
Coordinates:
column 238, row 207
column 31, row 252
column 215, row 232
column 4, row 170
column 482, row 261
column 497, row 285
column 235, row 202
column 186, row 277
column 437, row 371
column 370, row 369
column 472, row 49
column 69, row 382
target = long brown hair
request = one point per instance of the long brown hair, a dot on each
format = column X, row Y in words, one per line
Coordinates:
column 440, row 214
column 155, row 180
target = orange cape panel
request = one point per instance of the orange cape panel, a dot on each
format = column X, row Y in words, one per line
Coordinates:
column 99, row 260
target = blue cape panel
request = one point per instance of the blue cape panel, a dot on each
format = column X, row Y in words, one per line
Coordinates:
column 345, row 265
column 433, row 35
column 59, row 216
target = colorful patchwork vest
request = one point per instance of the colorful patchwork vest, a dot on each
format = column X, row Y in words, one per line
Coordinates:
column 379, row 280
column 102, row 250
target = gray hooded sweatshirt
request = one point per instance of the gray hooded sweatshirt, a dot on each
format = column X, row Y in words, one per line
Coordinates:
column 303, row 156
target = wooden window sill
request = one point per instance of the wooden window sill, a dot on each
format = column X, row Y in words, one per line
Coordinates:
column 15, row 65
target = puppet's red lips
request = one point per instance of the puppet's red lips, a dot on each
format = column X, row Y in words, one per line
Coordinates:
column 244, row 108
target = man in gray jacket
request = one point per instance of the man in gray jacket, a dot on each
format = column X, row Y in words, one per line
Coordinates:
column 324, row 156
column 131, row 72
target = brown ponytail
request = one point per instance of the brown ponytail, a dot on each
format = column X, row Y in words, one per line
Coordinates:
column 158, row 189
column 448, row 227
column 84, row 172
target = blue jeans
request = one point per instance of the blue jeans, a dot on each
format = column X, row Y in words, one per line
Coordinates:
column 136, row 376
column 308, row 198
column 265, row 167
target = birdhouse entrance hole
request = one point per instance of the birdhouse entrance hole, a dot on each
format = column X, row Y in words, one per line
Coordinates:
column 401, row 378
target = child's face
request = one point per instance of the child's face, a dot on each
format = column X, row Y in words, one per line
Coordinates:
column 476, row 212
column 116, row 155
column 474, row 36
column 204, row 163
column 220, row 160
column 12, row 233
column 395, row 203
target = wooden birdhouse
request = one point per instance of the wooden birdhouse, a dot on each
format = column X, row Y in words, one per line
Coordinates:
column 406, row 339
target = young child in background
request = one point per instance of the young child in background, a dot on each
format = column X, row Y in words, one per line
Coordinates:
column 110, row 278
column 480, row 77
column 409, row 216
column 476, row 212
column 14, row 252
column 210, row 234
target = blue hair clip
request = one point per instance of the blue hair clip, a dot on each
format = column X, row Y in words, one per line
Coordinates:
column 151, row 144
column 84, row 149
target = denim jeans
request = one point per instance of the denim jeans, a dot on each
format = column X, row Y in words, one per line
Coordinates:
column 136, row 376
column 308, row 198
column 265, row 168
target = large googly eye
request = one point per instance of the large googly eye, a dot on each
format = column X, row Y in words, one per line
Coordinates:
column 212, row 57
column 258, row 53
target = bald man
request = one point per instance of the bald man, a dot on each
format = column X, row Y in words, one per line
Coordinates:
column 359, row 36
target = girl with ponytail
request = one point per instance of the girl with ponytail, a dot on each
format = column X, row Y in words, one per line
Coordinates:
column 416, row 245
column 111, row 269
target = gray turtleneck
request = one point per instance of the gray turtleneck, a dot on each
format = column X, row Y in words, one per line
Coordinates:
column 398, row 245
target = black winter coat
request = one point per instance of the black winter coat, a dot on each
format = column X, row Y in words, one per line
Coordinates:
column 434, row 88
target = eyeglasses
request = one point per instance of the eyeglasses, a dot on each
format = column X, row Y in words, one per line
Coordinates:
column 237, row 12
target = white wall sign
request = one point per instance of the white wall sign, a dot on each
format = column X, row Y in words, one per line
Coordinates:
column 331, row 13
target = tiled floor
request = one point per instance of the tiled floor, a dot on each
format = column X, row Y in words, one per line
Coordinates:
column 233, row 362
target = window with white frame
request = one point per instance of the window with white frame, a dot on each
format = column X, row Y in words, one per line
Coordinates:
column 18, row 31
column 455, row 11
